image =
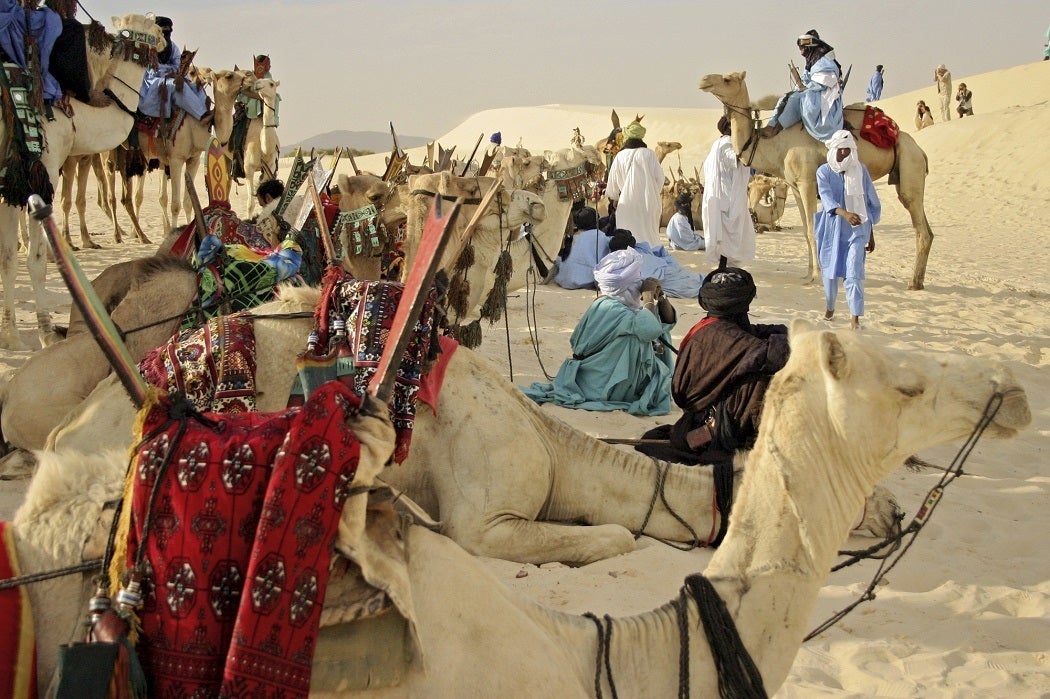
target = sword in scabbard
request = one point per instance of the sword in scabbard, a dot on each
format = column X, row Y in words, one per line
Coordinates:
column 199, row 229
column 322, row 226
column 87, row 301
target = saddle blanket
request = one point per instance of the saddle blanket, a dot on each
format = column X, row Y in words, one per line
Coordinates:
column 231, row 524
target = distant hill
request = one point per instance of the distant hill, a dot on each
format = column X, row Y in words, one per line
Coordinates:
column 374, row 141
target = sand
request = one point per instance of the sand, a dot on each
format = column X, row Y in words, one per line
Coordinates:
column 967, row 612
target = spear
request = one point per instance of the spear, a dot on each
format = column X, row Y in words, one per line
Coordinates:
column 474, row 152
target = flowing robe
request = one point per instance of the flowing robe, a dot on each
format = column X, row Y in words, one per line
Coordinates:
column 818, row 104
column 719, row 360
column 576, row 271
column 614, row 364
column 682, row 235
column 728, row 229
column 875, row 87
column 635, row 180
column 191, row 98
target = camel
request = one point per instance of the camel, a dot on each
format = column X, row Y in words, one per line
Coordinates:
column 803, row 481
column 794, row 155
column 181, row 152
column 261, row 147
column 766, row 198
column 498, row 493
column 75, row 173
column 122, row 162
column 90, row 130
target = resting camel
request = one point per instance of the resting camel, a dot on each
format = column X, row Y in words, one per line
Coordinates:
column 794, row 155
column 803, row 481
column 503, row 476
column 261, row 147
column 90, row 130
column 766, row 198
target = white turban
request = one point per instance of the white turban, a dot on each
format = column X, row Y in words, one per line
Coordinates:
column 619, row 275
column 851, row 171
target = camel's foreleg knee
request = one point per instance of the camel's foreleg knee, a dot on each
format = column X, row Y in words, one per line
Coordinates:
column 528, row 541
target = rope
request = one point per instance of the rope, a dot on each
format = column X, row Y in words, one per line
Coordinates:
column 20, row 580
column 659, row 492
column 738, row 677
column 933, row 497
column 602, row 658
column 681, row 609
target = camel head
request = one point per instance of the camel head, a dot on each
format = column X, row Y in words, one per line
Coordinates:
column 729, row 88
column 525, row 207
column 140, row 24
column 519, row 172
column 572, row 157
column 267, row 89
column 874, row 405
column 665, row 148
column 224, row 82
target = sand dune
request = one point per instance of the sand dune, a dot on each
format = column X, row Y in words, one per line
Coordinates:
column 967, row 612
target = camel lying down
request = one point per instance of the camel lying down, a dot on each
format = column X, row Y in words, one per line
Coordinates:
column 513, row 495
column 803, row 483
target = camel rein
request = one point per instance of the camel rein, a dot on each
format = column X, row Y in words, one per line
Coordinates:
column 900, row 542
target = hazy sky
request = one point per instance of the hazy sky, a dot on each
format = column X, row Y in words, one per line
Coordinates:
column 428, row 64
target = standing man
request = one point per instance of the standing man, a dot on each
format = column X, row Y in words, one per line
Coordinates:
column 635, row 180
column 943, row 77
column 843, row 228
column 728, row 229
column 875, row 85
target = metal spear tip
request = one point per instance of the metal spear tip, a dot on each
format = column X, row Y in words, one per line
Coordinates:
column 38, row 208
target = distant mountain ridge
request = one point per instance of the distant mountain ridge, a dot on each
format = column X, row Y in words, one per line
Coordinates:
column 375, row 141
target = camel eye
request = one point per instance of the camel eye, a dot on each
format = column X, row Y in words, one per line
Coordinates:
column 911, row 391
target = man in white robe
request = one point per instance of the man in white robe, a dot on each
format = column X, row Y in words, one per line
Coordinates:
column 728, row 229
column 635, row 180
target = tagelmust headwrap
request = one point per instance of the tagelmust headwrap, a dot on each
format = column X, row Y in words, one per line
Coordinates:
column 727, row 292
column 619, row 275
column 634, row 130
column 851, row 171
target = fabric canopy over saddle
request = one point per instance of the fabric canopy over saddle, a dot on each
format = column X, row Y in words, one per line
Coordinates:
column 230, row 522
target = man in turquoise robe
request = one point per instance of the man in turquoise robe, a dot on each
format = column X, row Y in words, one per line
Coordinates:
column 620, row 348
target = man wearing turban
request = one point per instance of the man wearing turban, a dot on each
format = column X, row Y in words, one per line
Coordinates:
column 728, row 228
column 843, row 227
column 680, row 228
column 158, row 96
column 634, row 183
column 620, row 359
column 817, row 102
column 724, row 368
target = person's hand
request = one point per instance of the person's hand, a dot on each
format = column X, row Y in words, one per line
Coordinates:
column 870, row 247
column 652, row 288
column 852, row 218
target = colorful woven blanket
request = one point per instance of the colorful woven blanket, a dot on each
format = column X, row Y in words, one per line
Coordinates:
column 243, row 513
column 213, row 366
column 17, row 642
column 368, row 308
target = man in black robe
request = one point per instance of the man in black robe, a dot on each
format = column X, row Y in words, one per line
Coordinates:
column 724, row 368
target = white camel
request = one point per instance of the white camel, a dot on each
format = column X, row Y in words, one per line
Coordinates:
column 794, row 155
column 90, row 130
column 261, row 146
column 805, row 479
column 504, row 477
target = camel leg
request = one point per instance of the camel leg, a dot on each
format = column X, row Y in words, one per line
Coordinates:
column 9, row 336
column 36, row 261
column 514, row 538
column 192, row 166
column 911, row 192
column 135, row 206
column 175, row 176
column 83, row 171
column 165, row 220
column 806, row 198
column 105, row 175
column 67, row 198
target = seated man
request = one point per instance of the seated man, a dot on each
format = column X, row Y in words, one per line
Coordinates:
column 817, row 101
column 586, row 247
column 680, row 228
column 158, row 95
column 619, row 357
column 724, row 369
column 675, row 280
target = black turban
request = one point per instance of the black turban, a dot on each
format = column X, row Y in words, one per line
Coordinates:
column 683, row 201
column 585, row 219
column 621, row 240
column 163, row 22
column 727, row 292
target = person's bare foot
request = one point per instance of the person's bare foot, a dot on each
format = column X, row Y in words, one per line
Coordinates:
column 828, row 315
column 854, row 322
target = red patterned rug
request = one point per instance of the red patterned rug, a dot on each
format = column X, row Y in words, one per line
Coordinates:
column 244, row 511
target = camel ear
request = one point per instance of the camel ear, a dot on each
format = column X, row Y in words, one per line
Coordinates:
column 801, row 325
column 116, row 21
column 743, row 74
column 833, row 356
column 615, row 119
column 276, row 83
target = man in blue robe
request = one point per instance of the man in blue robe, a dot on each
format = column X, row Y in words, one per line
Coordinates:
column 157, row 102
column 817, row 102
column 849, row 208
column 875, row 85
column 45, row 25
column 576, row 267
column 619, row 357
